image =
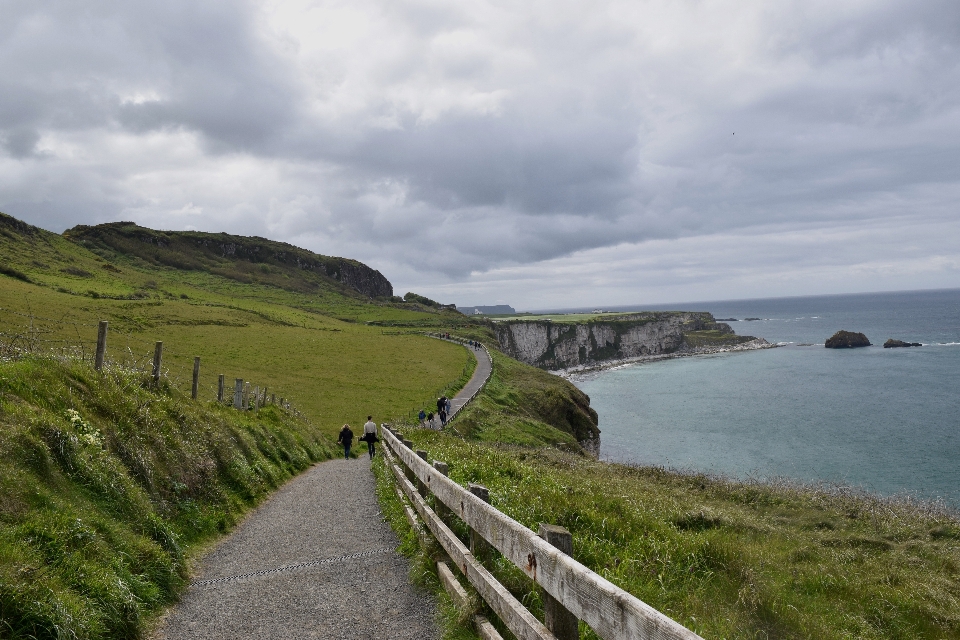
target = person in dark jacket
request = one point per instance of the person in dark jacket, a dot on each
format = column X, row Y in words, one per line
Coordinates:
column 346, row 439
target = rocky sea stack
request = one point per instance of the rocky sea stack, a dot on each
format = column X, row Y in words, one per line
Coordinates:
column 847, row 340
column 891, row 344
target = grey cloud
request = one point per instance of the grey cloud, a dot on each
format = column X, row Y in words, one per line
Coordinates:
column 489, row 137
column 20, row 142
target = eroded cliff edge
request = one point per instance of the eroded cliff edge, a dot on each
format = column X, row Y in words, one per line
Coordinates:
column 561, row 345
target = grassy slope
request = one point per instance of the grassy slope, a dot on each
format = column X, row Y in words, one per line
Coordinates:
column 726, row 559
column 96, row 512
column 296, row 343
column 527, row 406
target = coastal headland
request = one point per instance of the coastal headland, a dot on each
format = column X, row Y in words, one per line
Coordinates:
column 611, row 340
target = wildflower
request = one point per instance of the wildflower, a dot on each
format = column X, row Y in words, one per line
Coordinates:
column 85, row 431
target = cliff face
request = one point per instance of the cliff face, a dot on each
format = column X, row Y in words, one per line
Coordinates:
column 554, row 345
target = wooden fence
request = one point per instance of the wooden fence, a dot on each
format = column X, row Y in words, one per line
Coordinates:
column 571, row 591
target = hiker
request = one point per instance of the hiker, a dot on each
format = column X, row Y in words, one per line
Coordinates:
column 441, row 403
column 448, row 406
column 430, row 420
column 443, row 416
column 346, row 439
column 370, row 436
column 422, row 417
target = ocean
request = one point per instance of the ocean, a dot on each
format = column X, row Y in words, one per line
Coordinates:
column 886, row 420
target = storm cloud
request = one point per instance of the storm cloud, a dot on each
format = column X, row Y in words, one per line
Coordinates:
column 542, row 154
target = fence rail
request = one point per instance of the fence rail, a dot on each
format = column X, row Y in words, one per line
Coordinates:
column 609, row 610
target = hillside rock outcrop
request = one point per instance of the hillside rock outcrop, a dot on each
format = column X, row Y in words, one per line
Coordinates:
column 560, row 345
column 195, row 250
column 847, row 340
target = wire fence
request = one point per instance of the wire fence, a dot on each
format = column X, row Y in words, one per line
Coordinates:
column 66, row 338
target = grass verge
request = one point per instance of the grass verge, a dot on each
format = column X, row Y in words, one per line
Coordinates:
column 108, row 481
column 730, row 559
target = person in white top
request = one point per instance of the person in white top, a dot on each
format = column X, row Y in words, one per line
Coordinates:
column 370, row 435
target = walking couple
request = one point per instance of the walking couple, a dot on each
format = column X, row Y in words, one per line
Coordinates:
column 369, row 436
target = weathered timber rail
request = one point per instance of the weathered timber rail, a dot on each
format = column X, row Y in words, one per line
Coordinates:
column 572, row 590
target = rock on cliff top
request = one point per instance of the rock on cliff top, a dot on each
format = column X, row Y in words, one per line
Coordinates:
column 846, row 340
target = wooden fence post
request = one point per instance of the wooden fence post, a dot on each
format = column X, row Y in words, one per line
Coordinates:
column 196, row 378
column 246, row 396
column 421, row 487
column 479, row 547
column 561, row 622
column 273, row 398
column 101, row 345
column 442, row 511
column 263, row 403
column 157, row 360
column 220, row 388
column 256, row 398
column 238, row 393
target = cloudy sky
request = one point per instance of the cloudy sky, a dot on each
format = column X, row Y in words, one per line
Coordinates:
column 541, row 154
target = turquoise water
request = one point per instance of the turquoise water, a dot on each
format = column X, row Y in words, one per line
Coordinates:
column 884, row 419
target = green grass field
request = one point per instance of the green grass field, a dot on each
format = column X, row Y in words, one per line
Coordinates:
column 314, row 348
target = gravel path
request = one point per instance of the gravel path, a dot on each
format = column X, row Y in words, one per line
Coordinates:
column 315, row 561
column 484, row 366
column 287, row 572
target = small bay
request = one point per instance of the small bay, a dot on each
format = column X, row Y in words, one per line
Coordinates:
column 887, row 420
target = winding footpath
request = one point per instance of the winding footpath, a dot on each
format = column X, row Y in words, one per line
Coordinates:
column 317, row 560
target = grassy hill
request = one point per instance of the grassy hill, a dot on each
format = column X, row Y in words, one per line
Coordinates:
column 307, row 340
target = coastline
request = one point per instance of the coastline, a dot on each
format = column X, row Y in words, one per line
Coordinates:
column 596, row 367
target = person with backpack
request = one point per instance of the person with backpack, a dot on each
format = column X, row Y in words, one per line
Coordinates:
column 370, row 436
column 346, row 439
column 422, row 417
